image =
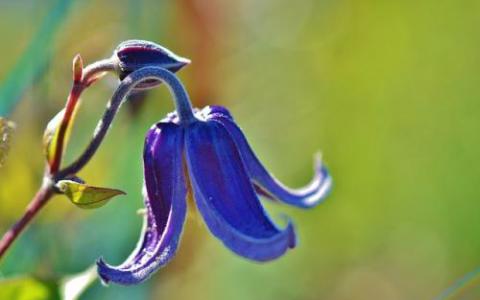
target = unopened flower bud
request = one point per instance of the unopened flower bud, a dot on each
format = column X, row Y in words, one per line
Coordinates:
column 136, row 54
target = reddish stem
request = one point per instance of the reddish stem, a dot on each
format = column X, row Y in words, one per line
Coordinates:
column 67, row 117
column 42, row 197
column 82, row 79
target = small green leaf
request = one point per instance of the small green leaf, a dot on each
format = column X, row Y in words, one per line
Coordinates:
column 6, row 130
column 50, row 135
column 85, row 196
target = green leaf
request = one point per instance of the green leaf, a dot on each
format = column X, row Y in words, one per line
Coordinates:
column 28, row 288
column 50, row 135
column 86, row 196
column 6, row 130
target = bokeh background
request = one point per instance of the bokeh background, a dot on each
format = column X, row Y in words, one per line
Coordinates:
column 387, row 90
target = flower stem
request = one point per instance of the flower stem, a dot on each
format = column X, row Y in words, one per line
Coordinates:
column 182, row 103
column 41, row 198
column 91, row 73
column 96, row 70
column 72, row 102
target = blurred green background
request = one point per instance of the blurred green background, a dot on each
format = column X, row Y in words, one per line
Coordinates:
column 387, row 90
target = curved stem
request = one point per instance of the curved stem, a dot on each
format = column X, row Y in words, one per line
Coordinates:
column 182, row 103
column 41, row 198
column 70, row 106
column 95, row 70
column 91, row 73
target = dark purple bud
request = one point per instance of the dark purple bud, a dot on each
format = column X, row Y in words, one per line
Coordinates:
column 136, row 54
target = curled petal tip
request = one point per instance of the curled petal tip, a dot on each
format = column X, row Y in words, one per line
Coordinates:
column 266, row 184
column 226, row 199
column 290, row 229
column 291, row 234
column 101, row 270
column 259, row 249
column 317, row 159
column 323, row 176
column 164, row 196
column 276, row 244
column 265, row 250
column 121, row 275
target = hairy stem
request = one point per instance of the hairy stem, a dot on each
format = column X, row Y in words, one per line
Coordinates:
column 96, row 70
column 182, row 103
column 91, row 74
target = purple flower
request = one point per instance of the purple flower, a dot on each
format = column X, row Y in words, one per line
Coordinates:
column 207, row 153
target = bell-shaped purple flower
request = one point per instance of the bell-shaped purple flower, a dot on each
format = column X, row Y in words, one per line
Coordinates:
column 207, row 152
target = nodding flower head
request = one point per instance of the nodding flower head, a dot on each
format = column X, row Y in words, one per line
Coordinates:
column 209, row 154
column 133, row 55
column 203, row 151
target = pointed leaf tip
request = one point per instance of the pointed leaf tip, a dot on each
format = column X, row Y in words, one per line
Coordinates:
column 86, row 196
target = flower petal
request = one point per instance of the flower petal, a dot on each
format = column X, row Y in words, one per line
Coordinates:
column 305, row 197
column 165, row 193
column 225, row 195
